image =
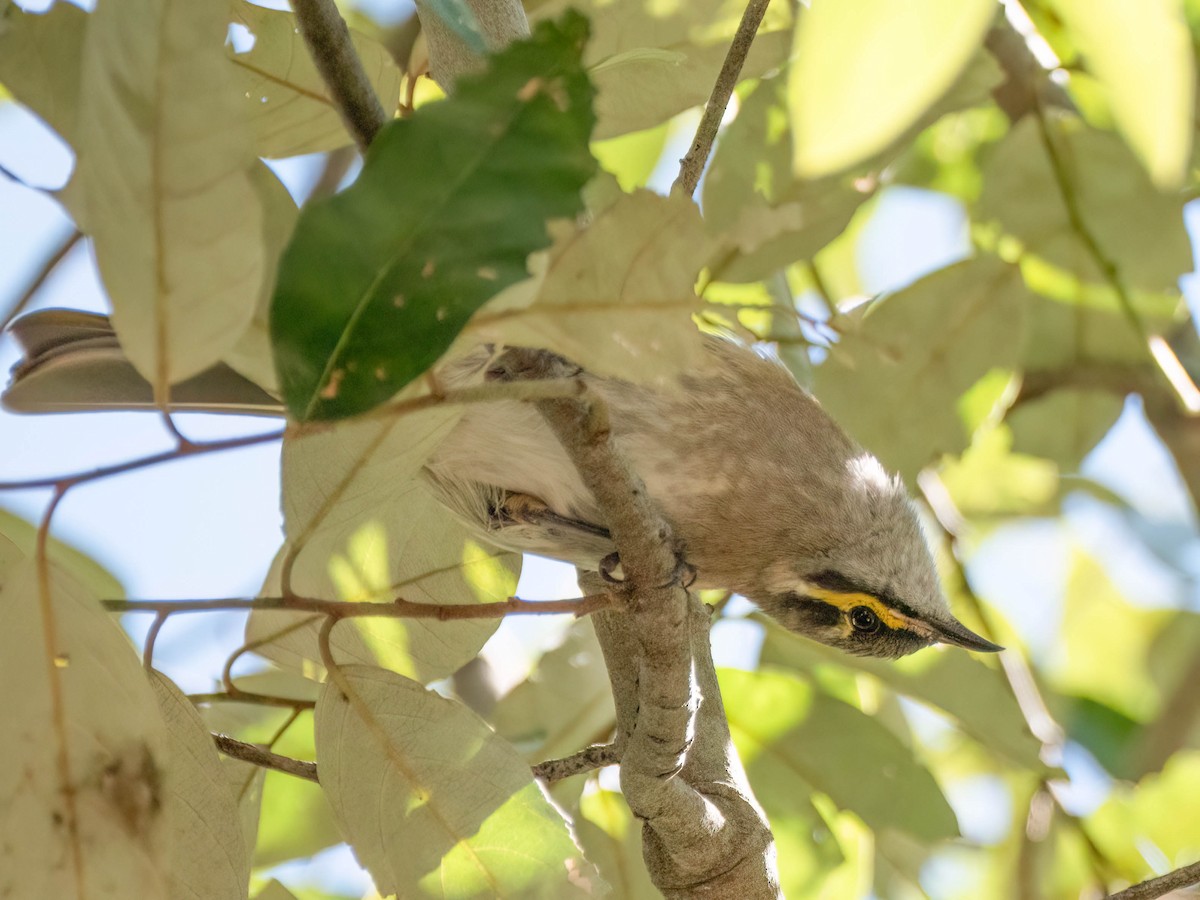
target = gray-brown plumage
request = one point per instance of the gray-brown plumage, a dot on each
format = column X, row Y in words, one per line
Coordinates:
column 769, row 496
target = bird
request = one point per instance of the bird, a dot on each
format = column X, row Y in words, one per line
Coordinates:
column 766, row 494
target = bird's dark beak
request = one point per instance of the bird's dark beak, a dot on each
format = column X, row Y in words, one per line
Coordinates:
column 952, row 631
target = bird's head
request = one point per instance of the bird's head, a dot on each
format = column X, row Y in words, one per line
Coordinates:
column 870, row 587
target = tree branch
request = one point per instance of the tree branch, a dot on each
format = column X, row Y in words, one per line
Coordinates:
column 596, row 756
column 692, row 165
column 332, row 52
column 1161, row 886
column 258, row 756
column 345, row 609
column 703, row 832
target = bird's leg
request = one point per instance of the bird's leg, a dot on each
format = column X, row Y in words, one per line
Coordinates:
column 526, row 509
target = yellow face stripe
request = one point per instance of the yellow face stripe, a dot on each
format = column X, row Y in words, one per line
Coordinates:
column 846, row 601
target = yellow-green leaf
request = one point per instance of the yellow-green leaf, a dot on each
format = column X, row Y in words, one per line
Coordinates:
column 862, row 72
column 1141, row 52
column 432, row 801
column 367, row 530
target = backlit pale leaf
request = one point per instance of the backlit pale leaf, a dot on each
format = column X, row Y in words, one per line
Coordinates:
column 433, row 803
column 616, row 296
column 565, row 703
column 285, row 98
column 209, row 859
column 368, row 531
column 863, row 72
column 650, row 61
column 1137, row 228
column 85, row 750
column 165, row 156
column 1142, row 54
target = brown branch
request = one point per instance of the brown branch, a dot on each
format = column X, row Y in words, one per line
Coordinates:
column 395, row 609
column 595, row 757
column 332, row 52
column 63, row 482
column 1161, row 886
column 692, row 165
column 258, row 756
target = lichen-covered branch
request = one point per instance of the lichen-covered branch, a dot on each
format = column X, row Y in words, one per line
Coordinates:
column 329, row 44
column 703, row 832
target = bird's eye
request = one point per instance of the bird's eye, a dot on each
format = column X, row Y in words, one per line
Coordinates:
column 864, row 620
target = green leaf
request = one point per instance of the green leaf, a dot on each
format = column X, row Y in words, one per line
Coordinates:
column 85, row 748
column 565, row 703
column 1142, row 55
column 367, row 530
column 433, row 803
column 379, row 280
column 209, row 859
column 285, row 97
column 651, row 61
column 1137, row 228
column 40, row 62
column 798, row 740
column 165, row 157
column 894, row 382
column 976, row 695
column 864, row 72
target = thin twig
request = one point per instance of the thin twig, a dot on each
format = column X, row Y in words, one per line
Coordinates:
column 63, row 482
column 1161, row 886
column 252, row 699
column 692, row 165
column 332, row 51
column 151, row 639
column 60, row 252
column 595, row 757
column 395, row 609
column 258, row 756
